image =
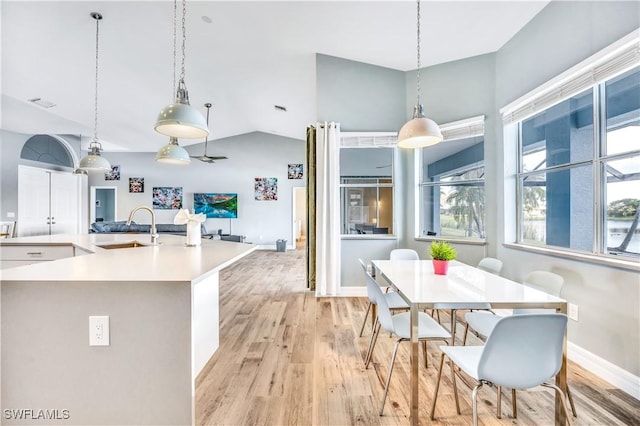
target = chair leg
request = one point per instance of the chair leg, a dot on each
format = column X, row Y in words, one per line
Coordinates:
column 562, row 399
column 573, row 406
column 455, row 386
column 474, row 397
column 364, row 321
column 435, row 392
column 466, row 331
column 453, row 327
column 372, row 343
column 424, row 351
column 514, row 404
column 386, row 387
column 499, row 402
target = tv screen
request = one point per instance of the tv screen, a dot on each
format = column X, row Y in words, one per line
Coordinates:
column 216, row 205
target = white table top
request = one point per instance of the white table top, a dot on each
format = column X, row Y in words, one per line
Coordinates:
column 416, row 282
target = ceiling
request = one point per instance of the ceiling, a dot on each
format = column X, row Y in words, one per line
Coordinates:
column 243, row 57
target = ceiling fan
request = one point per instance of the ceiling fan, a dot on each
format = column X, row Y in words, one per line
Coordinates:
column 206, row 158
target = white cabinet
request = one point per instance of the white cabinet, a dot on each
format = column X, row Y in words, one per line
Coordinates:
column 19, row 255
column 48, row 202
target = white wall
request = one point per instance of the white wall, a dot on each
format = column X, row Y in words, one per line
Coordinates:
column 249, row 156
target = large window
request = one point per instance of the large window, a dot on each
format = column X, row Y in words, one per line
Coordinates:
column 578, row 178
column 366, row 190
column 452, row 201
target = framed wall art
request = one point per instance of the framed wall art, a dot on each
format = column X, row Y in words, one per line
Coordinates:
column 114, row 174
column 266, row 189
column 295, row 171
column 136, row 184
column 167, row 198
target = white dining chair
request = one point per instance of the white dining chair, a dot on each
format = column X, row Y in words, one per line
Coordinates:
column 394, row 301
column 400, row 325
column 523, row 351
column 404, row 254
column 490, row 264
column 483, row 323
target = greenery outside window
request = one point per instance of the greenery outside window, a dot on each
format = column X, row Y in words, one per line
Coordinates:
column 452, row 195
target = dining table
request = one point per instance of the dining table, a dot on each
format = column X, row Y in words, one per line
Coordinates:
column 416, row 282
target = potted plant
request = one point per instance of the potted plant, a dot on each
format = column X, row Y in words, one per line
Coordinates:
column 441, row 253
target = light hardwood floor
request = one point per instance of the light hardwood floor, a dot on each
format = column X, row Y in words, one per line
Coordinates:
column 287, row 358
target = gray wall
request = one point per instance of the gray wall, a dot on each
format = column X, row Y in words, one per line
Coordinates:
column 365, row 98
column 249, row 156
column 361, row 97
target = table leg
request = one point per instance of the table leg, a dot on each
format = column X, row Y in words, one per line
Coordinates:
column 415, row 363
column 561, row 377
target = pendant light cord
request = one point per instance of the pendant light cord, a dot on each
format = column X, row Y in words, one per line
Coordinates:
column 175, row 17
column 418, row 55
column 184, row 38
column 97, row 17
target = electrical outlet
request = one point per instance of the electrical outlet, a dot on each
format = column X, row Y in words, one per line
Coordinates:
column 98, row 331
column 573, row 312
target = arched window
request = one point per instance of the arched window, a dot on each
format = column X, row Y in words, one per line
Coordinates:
column 47, row 149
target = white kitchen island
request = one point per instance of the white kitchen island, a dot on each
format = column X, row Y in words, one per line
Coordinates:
column 162, row 303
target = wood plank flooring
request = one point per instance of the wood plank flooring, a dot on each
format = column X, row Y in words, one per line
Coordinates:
column 287, row 358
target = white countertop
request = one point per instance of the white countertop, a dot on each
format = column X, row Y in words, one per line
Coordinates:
column 168, row 261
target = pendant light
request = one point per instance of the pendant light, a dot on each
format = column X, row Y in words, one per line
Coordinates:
column 180, row 119
column 420, row 131
column 172, row 153
column 94, row 161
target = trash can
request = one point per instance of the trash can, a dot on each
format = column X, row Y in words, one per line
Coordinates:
column 281, row 245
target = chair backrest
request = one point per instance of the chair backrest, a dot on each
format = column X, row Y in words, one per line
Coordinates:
column 373, row 288
column 523, row 351
column 384, row 313
column 545, row 281
column 490, row 264
column 364, row 266
column 404, row 254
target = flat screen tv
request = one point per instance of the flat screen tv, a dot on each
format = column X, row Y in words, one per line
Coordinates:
column 216, row 205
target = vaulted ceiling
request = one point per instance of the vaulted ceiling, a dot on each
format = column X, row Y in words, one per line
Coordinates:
column 242, row 56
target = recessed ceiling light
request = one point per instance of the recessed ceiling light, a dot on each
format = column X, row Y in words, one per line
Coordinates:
column 42, row 103
column 280, row 108
column 206, row 19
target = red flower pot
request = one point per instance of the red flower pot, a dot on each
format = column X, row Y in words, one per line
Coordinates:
column 440, row 267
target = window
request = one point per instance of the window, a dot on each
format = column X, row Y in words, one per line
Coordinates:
column 366, row 190
column 579, row 170
column 452, row 201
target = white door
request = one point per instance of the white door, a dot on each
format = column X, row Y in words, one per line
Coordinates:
column 33, row 202
column 65, row 203
column 48, row 202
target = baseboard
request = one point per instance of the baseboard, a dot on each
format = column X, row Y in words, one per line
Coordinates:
column 602, row 368
column 352, row 292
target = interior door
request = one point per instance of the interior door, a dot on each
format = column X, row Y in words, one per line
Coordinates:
column 65, row 203
column 33, row 201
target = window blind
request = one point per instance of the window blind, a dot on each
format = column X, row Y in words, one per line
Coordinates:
column 611, row 61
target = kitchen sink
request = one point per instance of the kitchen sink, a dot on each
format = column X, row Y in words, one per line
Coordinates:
column 128, row 244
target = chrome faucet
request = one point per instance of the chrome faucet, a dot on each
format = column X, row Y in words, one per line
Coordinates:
column 154, row 232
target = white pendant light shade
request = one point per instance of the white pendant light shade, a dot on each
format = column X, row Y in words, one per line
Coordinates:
column 94, row 161
column 172, row 153
column 419, row 132
column 181, row 121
